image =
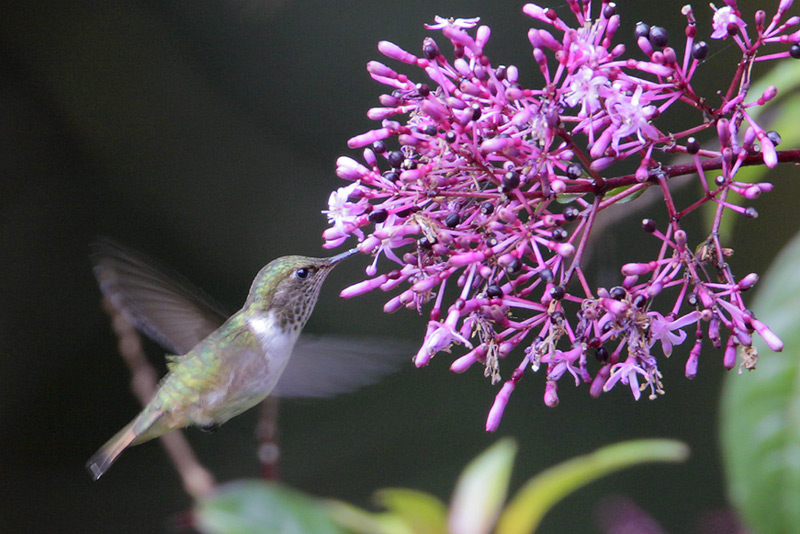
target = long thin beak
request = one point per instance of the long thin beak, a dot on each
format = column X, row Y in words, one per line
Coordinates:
column 339, row 257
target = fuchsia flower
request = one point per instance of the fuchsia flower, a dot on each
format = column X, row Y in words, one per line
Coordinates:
column 476, row 182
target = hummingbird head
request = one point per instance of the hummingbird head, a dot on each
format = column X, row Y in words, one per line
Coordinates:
column 289, row 286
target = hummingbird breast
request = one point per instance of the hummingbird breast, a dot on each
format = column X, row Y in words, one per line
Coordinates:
column 232, row 370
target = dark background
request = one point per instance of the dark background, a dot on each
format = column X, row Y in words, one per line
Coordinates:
column 206, row 134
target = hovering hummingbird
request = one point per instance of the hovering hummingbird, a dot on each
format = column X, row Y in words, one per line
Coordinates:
column 224, row 367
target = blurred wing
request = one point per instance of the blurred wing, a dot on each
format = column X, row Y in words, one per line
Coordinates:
column 327, row 366
column 166, row 307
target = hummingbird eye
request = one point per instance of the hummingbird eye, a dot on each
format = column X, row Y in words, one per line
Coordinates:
column 302, row 273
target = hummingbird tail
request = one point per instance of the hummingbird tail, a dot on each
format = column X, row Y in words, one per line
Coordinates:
column 131, row 434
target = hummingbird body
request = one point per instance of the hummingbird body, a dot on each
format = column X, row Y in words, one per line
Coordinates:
column 237, row 365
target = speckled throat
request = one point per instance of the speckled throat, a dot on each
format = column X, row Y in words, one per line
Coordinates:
column 298, row 306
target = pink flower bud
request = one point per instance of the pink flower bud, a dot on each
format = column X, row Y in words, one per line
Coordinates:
column 369, row 157
column 645, row 46
column 769, row 337
column 499, row 406
column 533, row 10
column 747, row 282
column 496, row 144
column 434, row 110
column 393, row 51
column 654, row 289
column 638, row 269
column 630, row 281
column 691, row 362
column 463, row 363
column 724, row 132
column 743, row 337
column 378, row 114
column 768, row 151
column 370, row 244
column 367, row 139
column 426, row 284
column 729, row 359
column 379, row 69
column 562, row 249
column 551, row 394
column 350, row 169
column 596, row 389
column 362, row 287
column 482, row 36
column 768, row 95
column 393, row 305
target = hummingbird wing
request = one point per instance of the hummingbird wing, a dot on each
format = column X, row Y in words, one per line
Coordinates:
column 161, row 303
column 323, row 366
column 173, row 312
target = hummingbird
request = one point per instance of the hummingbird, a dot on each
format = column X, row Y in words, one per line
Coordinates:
column 222, row 367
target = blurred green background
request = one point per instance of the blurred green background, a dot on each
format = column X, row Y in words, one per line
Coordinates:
column 205, row 133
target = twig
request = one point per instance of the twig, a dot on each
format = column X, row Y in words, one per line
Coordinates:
column 267, row 434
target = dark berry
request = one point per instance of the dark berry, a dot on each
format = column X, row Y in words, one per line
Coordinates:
column 557, row 292
column 395, row 158
column 378, row 216
column 560, row 235
column 487, row 208
column 617, row 293
column 648, row 225
column 774, row 137
column 510, row 180
column 424, row 243
column 794, row 51
column 452, row 220
column 429, row 49
column 692, row 146
column 408, row 164
column 658, row 37
column 514, row 266
column 423, row 90
column 574, row 171
column 641, row 30
column 493, row 291
column 476, row 111
column 546, row 275
column 700, row 50
column 571, row 213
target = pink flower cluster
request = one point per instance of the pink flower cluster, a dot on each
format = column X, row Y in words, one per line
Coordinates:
column 482, row 194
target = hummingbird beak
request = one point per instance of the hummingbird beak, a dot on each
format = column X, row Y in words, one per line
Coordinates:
column 339, row 257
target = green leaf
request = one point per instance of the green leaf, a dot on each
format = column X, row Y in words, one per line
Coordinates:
column 629, row 198
column 258, row 507
column 354, row 519
column 760, row 416
column 481, row 490
column 409, row 512
column 423, row 512
column 542, row 492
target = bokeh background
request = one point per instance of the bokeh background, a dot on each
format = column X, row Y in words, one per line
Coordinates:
column 205, row 133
